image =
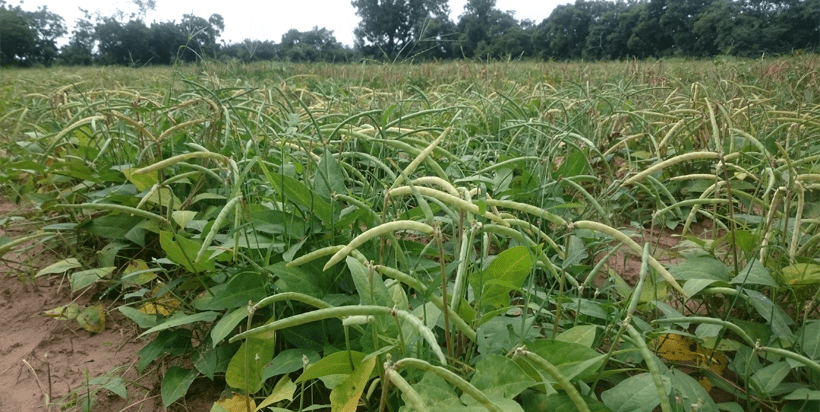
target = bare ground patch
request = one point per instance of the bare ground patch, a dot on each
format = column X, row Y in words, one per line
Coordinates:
column 44, row 362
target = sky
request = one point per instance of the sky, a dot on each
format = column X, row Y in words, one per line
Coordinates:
column 269, row 19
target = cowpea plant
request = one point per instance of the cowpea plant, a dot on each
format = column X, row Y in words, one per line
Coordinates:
column 340, row 236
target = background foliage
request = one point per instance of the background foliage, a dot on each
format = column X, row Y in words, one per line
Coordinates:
column 422, row 30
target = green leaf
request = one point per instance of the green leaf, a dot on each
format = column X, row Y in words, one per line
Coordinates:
column 289, row 361
column 560, row 402
column 576, row 252
column 730, row 406
column 573, row 165
column 482, row 206
column 175, row 384
column 634, row 394
column 86, row 278
column 573, row 360
column 277, row 222
column 498, row 376
column 437, row 395
column 112, row 226
column 243, row 287
column 137, row 233
column 108, row 255
column 59, row 267
column 345, row 396
column 299, row 194
column 745, row 362
column 511, row 268
column 371, row 291
column 245, row 368
column 754, row 274
column 767, row 378
column 774, row 314
column 173, row 343
column 690, row 392
column 745, row 240
column 209, row 360
column 299, row 280
column 183, row 251
column 142, row 319
column 652, row 290
column 399, row 296
column 500, row 334
column 114, row 384
column 338, row 363
column 694, row 286
column 701, row 268
column 182, row 217
column 182, row 319
column 803, row 394
column 163, row 196
column 329, row 178
column 809, row 339
column 227, row 324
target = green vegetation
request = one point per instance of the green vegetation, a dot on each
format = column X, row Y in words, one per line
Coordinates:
column 448, row 236
column 421, row 30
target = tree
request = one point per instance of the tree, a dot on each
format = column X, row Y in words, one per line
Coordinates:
column 251, row 50
column 565, row 31
column 124, row 44
column 605, row 39
column 678, row 20
column 800, row 22
column 314, row 45
column 474, row 26
column 436, row 39
column 202, row 35
column 49, row 27
column 80, row 48
column 387, row 27
column 166, row 40
column 642, row 29
column 486, row 31
column 18, row 41
column 714, row 28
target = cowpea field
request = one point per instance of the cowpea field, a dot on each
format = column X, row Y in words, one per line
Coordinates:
column 460, row 236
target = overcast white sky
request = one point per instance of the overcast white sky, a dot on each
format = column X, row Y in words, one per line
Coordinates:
column 269, row 19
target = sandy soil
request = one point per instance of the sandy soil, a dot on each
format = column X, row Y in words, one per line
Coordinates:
column 44, row 361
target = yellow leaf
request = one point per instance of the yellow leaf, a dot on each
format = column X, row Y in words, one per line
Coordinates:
column 92, row 319
column 346, row 395
column 717, row 363
column 679, row 348
column 283, row 391
column 135, row 280
column 142, row 181
column 237, row 403
column 65, row 312
column 164, row 305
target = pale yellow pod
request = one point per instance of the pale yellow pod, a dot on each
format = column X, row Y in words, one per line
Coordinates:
column 382, row 229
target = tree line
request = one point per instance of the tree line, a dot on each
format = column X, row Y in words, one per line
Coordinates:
column 422, row 29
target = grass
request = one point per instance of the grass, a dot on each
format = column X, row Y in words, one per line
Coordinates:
column 462, row 220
